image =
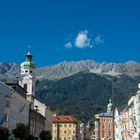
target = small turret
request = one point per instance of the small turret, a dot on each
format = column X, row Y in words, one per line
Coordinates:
column 109, row 106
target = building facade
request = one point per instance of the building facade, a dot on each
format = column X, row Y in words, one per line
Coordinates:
column 104, row 124
column 65, row 128
column 49, row 119
column 37, row 122
column 14, row 107
column 127, row 122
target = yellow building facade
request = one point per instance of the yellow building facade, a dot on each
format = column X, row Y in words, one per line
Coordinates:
column 65, row 128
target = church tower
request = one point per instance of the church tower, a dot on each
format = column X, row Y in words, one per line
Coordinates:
column 27, row 78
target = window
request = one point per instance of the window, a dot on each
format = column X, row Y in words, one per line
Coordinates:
column 110, row 133
column 110, row 120
column 54, row 125
column 110, row 126
column 26, row 71
column 104, row 120
column 6, row 118
column 65, row 132
column 69, row 125
column 74, row 125
column 7, row 103
column 25, row 87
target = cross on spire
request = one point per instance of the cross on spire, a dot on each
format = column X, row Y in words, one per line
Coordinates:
column 29, row 47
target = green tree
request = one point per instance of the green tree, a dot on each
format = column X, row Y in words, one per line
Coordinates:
column 45, row 135
column 11, row 137
column 22, row 131
column 4, row 134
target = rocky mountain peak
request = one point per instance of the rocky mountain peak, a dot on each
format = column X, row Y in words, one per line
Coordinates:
column 65, row 69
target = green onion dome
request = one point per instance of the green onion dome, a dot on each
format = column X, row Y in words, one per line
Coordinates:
column 28, row 63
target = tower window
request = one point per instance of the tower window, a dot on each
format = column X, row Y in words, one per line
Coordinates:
column 25, row 87
column 30, row 71
column 26, row 71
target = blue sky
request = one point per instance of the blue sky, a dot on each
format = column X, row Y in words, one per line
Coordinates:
column 71, row 30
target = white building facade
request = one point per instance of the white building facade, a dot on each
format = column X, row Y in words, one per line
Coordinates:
column 14, row 107
column 127, row 123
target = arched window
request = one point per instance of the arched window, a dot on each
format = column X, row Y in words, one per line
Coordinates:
column 25, row 87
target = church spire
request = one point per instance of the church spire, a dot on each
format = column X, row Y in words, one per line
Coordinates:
column 28, row 62
column 28, row 57
column 27, row 80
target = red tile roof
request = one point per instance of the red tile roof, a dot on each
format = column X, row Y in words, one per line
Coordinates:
column 64, row 119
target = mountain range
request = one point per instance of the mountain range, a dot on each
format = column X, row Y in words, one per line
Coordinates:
column 65, row 69
column 80, row 88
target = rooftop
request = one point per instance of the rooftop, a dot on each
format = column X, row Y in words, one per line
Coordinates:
column 106, row 114
column 64, row 119
column 18, row 89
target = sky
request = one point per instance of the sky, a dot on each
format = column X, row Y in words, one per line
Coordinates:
column 70, row 30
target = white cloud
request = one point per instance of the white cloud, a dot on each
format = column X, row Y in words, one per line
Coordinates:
column 98, row 40
column 82, row 40
column 68, row 45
